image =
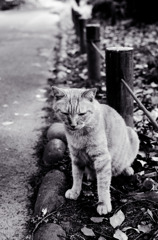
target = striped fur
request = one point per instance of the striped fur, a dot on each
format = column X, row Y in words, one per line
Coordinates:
column 99, row 141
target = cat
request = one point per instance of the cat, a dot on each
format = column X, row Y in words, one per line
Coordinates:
column 98, row 139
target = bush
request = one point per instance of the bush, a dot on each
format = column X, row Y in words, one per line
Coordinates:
column 139, row 10
column 9, row 4
column 142, row 10
column 109, row 10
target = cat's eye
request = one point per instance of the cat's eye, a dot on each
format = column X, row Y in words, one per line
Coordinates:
column 58, row 97
column 65, row 113
column 82, row 114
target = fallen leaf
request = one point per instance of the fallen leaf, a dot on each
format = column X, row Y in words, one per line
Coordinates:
column 87, row 232
column 153, row 85
column 138, row 118
column 5, row 105
column 42, row 90
column 142, row 154
column 130, row 228
column 154, row 113
column 124, row 200
column 120, row 235
column 145, row 228
column 44, row 211
column 103, row 88
column 141, row 173
column 117, row 219
column 155, row 159
column 142, row 162
column 15, row 102
column 26, row 114
column 154, row 100
column 149, row 212
column 101, row 238
column 149, row 91
column 7, row 123
column 97, row 219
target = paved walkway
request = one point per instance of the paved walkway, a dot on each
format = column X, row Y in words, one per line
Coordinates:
column 27, row 39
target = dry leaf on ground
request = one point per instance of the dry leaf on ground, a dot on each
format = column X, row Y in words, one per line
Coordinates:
column 145, row 228
column 87, row 232
column 117, row 219
column 120, row 235
column 97, row 219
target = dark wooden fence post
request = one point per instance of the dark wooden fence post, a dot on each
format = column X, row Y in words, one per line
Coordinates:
column 93, row 56
column 75, row 17
column 82, row 33
column 119, row 65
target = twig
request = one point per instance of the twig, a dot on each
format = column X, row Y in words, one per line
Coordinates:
column 76, row 236
column 150, row 195
column 155, row 235
column 150, row 175
column 61, row 236
column 116, row 190
column 106, row 236
column 44, row 218
column 98, row 50
column 140, row 235
column 147, row 113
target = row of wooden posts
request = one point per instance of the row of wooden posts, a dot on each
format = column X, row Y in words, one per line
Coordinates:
column 119, row 68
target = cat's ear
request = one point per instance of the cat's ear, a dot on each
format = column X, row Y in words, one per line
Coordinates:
column 89, row 94
column 58, row 93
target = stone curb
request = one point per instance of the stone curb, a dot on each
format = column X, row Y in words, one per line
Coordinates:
column 51, row 193
column 50, row 231
column 52, row 189
column 54, row 152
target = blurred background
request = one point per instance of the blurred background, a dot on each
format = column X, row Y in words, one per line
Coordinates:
column 139, row 11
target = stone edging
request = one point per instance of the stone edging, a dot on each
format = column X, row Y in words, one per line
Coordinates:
column 52, row 189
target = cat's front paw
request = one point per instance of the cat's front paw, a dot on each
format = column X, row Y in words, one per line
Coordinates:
column 104, row 208
column 72, row 194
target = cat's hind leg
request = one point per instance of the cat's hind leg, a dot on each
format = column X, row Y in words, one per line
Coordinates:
column 133, row 150
column 128, row 171
column 134, row 143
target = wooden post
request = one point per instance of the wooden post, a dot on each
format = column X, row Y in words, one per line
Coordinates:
column 78, row 2
column 76, row 16
column 93, row 56
column 82, row 33
column 73, row 15
column 119, row 65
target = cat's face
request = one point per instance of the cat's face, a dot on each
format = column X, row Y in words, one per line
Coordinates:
column 74, row 106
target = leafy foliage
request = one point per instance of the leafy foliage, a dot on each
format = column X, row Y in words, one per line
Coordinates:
column 139, row 11
column 5, row 5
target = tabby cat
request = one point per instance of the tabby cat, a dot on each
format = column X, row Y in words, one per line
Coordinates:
column 99, row 142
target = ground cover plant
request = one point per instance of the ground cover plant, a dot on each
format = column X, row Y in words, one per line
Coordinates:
column 134, row 199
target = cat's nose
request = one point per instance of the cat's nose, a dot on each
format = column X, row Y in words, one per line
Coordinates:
column 73, row 126
column 72, row 123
